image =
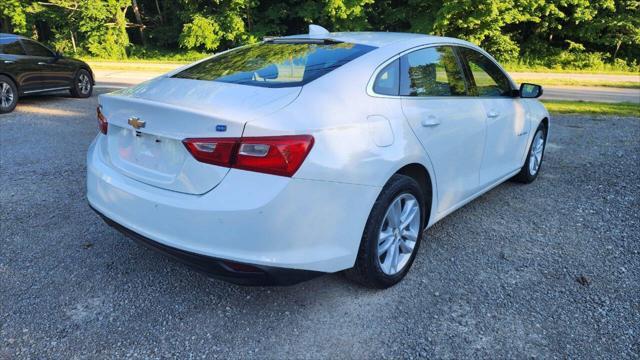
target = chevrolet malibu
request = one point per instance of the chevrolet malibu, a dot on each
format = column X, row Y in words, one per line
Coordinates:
column 309, row 154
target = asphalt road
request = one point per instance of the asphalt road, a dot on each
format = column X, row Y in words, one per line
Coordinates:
column 591, row 93
column 124, row 78
column 547, row 270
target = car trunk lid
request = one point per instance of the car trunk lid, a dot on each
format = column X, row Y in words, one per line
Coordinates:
column 168, row 110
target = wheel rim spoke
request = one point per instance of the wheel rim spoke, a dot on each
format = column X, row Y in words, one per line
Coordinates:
column 384, row 242
column 394, row 214
column 408, row 213
column 406, row 247
column 395, row 257
column 388, row 264
column 410, row 235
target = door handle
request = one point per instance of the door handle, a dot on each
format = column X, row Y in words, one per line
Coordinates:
column 9, row 61
column 431, row 120
column 493, row 114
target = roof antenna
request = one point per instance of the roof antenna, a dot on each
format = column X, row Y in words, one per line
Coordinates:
column 317, row 30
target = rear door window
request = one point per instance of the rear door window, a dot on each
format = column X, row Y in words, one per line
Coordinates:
column 11, row 46
column 276, row 64
column 433, row 71
column 35, row 49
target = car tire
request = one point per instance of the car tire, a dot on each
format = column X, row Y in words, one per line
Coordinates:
column 8, row 95
column 82, row 86
column 531, row 168
column 373, row 267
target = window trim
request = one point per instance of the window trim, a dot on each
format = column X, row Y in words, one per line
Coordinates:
column 380, row 67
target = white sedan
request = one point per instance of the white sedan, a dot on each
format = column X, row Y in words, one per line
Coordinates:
column 280, row 161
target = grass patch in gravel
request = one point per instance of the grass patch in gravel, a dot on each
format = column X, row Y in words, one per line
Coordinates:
column 592, row 108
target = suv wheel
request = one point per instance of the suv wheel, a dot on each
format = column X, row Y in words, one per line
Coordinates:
column 8, row 95
column 83, row 84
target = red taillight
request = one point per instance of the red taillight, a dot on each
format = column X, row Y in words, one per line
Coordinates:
column 212, row 151
column 278, row 155
column 103, row 125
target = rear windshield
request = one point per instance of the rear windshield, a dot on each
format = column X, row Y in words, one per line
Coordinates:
column 275, row 64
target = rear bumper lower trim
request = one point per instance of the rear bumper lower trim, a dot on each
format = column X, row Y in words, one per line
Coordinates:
column 217, row 268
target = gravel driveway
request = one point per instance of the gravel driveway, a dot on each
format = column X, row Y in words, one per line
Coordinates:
column 548, row 270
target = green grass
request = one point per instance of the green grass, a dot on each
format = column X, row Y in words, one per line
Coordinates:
column 592, row 108
column 581, row 82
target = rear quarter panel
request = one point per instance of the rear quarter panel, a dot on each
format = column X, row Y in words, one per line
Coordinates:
column 359, row 139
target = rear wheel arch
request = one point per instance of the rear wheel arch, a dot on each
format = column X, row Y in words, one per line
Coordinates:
column 86, row 67
column 421, row 175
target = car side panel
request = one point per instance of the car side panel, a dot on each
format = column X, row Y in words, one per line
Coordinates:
column 23, row 70
column 456, row 145
column 507, row 131
column 57, row 73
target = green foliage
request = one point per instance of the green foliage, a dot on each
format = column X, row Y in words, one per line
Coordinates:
column 201, row 32
column 13, row 17
column 136, row 52
column 567, row 34
column 103, row 23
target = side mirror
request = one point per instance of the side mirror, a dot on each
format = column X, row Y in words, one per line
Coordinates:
column 58, row 55
column 530, row 91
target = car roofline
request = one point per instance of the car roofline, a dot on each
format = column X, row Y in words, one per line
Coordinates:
column 7, row 35
column 377, row 39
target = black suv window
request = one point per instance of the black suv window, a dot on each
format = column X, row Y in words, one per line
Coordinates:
column 433, row 71
column 388, row 80
column 11, row 46
column 487, row 77
column 35, row 49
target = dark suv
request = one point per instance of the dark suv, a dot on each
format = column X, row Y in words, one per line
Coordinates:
column 28, row 67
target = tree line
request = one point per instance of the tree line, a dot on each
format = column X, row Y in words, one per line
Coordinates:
column 554, row 33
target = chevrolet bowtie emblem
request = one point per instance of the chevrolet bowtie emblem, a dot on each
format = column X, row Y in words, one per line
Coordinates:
column 136, row 122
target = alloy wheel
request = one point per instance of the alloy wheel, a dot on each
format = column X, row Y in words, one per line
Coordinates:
column 84, row 84
column 398, row 234
column 537, row 148
column 6, row 95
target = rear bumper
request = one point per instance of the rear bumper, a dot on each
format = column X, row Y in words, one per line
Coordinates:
column 249, row 218
column 257, row 275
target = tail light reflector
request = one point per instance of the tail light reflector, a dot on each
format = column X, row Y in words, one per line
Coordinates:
column 277, row 155
column 103, row 125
